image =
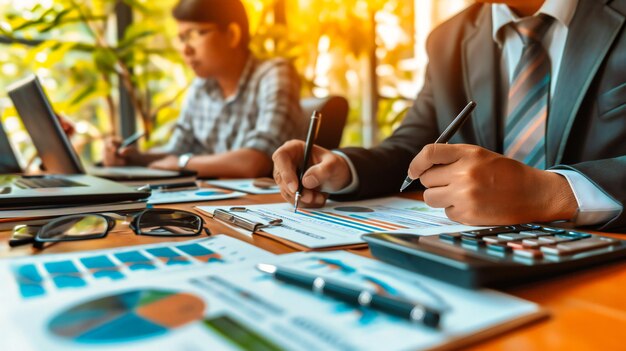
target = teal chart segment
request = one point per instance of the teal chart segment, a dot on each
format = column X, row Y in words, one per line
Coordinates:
column 129, row 316
column 40, row 278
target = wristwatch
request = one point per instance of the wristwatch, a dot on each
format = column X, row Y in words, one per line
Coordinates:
column 183, row 160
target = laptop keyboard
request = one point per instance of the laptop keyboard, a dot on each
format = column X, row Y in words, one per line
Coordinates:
column 47, row 182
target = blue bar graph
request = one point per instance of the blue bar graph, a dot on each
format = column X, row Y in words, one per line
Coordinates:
column 102, row 267
column 51, row 274
column 200, row 253
column 29, row 281
column 65, row 274
column 135, row 260
column 169, row 256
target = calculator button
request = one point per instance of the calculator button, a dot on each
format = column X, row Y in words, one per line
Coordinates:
column 471, row 241
column 515, row 245
column 534, row 233
column 578, row 235
column 579, row 246
column 532, row 253
column 452, row 237
column 512, row 236
column 487, row 232
column 556, row 239
column 533, row 243
column 499, row 247
column 552, row 230
column 494, row 240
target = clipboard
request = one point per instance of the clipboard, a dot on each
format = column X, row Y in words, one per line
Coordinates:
column 230, row 216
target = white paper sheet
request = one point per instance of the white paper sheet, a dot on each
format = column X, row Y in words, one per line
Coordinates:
column 242, row 308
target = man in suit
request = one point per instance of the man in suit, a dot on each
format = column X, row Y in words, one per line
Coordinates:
column 546, row 142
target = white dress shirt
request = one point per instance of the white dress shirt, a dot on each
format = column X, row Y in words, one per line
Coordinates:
column 594, row 205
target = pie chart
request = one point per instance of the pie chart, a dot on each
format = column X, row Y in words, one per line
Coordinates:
column 129, row 316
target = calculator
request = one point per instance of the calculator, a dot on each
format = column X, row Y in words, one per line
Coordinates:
column 496, row 257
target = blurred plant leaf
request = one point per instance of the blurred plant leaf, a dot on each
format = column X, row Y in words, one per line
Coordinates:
column 39, row 49
column 89, row 92
column 105, row 60
column 137, row 6
column 134, row 33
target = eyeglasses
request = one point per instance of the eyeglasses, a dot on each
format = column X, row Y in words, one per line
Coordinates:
column 192, row 37
column 152, row 222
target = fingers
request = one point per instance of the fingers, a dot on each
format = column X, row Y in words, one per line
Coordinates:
column 112, row 144
column 320, row 173
column 312, row 198
column 111, row 156
column 285, row 165
column 66, row 124
column 287, row 159
column 434, row 154
column 127, row 151
column 436, row 176
column 309, row 198
column 439, row 197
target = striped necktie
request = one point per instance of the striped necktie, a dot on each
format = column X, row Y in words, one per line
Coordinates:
column 529, row 94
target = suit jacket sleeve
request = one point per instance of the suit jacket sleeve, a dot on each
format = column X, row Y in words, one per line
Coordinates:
column 382, row 169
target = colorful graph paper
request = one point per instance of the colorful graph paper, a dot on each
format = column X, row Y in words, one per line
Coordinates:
column 41, row 276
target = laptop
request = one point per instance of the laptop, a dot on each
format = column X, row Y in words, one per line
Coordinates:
column 17, row 190
column 54, row 147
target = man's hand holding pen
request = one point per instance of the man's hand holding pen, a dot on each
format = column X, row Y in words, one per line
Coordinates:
column 480, row 187
column 328, row 172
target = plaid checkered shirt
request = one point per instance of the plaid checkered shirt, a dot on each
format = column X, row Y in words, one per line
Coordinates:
column 263, row 114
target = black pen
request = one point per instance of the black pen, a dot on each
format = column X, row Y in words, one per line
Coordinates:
column 399, row 307
column 316, row 118
column 447, row 134
column 130, row 140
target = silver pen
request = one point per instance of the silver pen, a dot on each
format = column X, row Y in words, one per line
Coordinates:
column 447, row 134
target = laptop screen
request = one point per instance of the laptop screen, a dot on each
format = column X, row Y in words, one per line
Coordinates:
column 8, row 161
column 53, row 146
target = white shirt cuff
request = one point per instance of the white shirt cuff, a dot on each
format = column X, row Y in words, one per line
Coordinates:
column 594, row 205
column 354, row 184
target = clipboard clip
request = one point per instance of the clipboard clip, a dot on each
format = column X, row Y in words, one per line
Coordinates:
column 245, row 223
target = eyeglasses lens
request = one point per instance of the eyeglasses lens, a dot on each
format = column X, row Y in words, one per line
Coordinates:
column 74, row 228
column 169, row 223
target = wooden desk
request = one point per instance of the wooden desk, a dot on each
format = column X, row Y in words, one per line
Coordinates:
column 587, row 309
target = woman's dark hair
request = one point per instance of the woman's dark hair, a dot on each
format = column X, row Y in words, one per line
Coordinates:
column 220, row 12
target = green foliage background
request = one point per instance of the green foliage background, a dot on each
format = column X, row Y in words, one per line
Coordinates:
column 79, row 59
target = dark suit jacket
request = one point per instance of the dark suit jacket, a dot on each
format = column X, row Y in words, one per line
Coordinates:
column 586, row 128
